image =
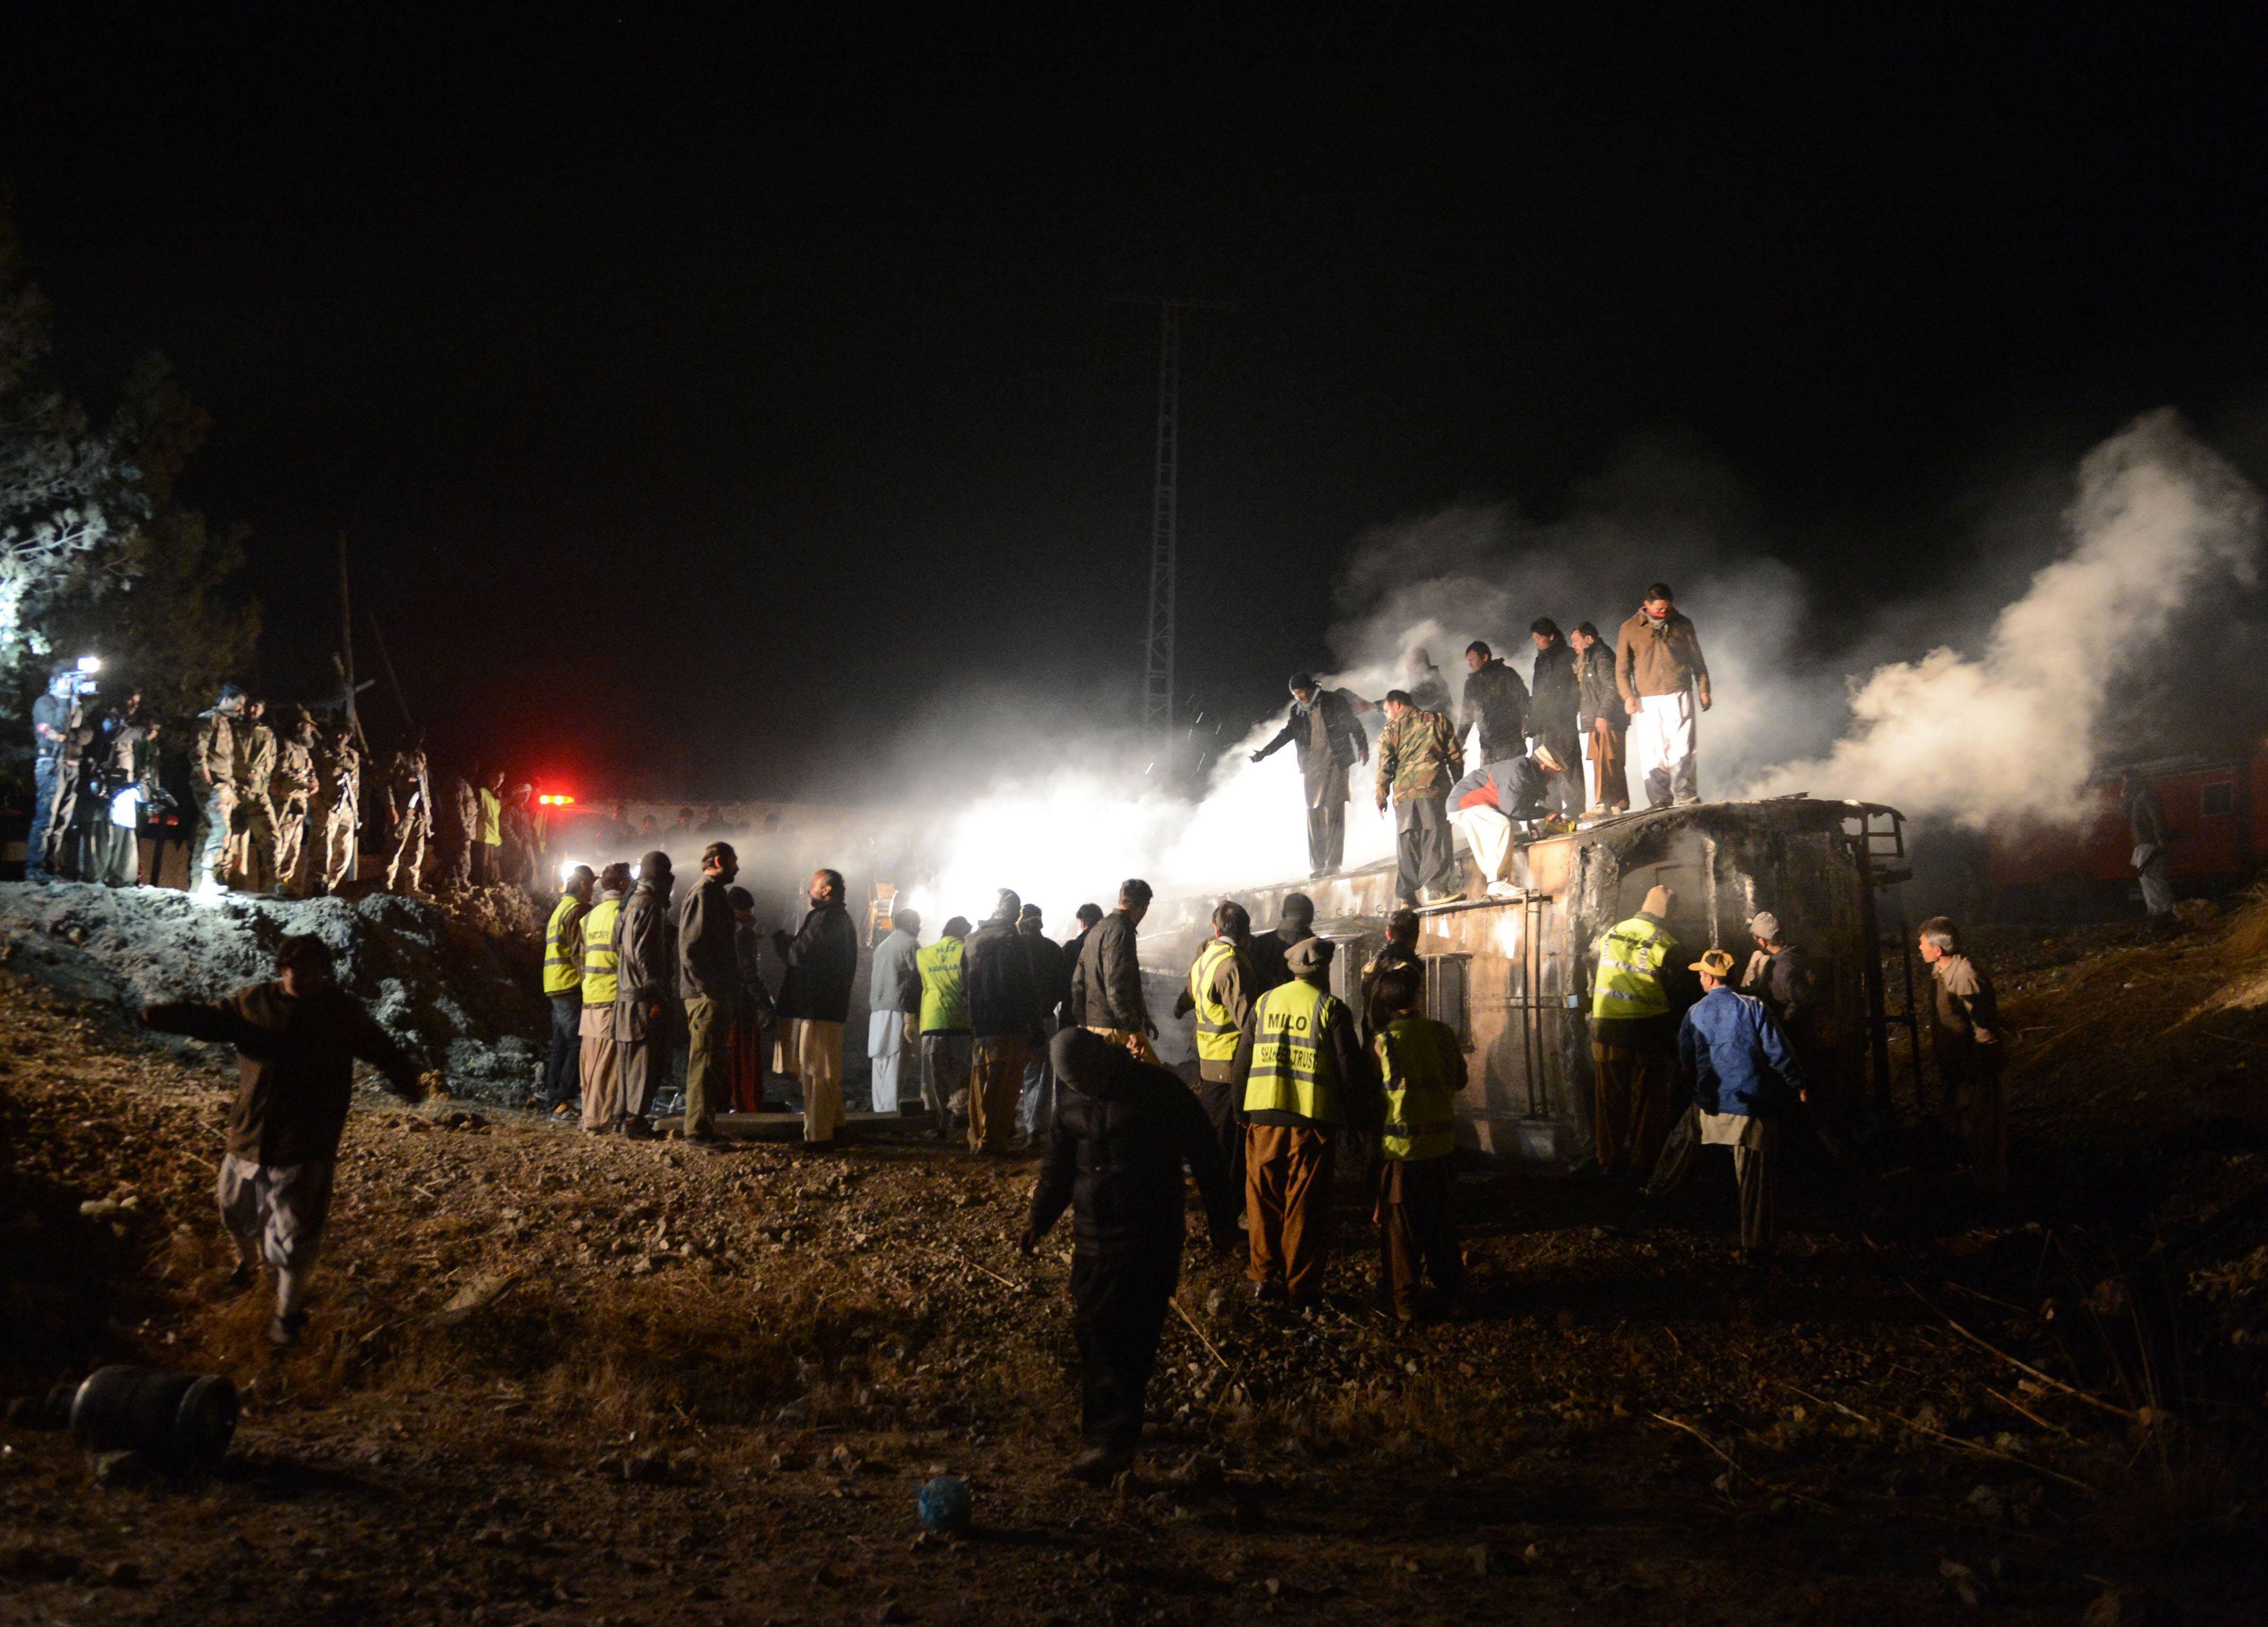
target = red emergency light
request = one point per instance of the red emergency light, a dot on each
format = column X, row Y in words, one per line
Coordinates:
column 555, row 799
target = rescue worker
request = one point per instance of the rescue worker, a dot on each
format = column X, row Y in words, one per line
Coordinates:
column 1746, row 1082
column 1115, row 1157
column 563, row 986
column 1220, row 993
column 252, row 859
column 1779, row 973
column 946, row 1041
column 1106, row 986
column 1421, row 1070
column 517, row 858
column 1497, row 800
column 814, row 1002
column 52, row 719
column 893, row 1007
column 1295, row 922
column 1553, row 713
column 1304, row 1077
column 126, row 763
column 487, row 832
column 709, row 981
column 646, row 995
column 1418, row 760
column 408, row 814
column 1036, row 1110
column 1495, row 703
column 600, row 1069
column 1966, row 1037
column 1602, row 722
column 1324, row 736
column 297, row 1039
column 1633, row 1037
column 212, row 768
column 1004, row 1018
column 1429, row 691
column 2145, row 822
column 342, row 809
column 64, row 836
column 1400, row 950
column 292, row 790
column 1661, row 676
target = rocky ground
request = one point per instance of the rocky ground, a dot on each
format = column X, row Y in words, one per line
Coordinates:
column 551, row 1378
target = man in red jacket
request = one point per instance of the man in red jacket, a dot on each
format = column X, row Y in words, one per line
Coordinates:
column 297, row 1041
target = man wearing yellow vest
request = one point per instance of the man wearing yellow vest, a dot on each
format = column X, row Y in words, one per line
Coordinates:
column 602, row 1085
column 1421, row 1068
column 1633, row 1039
column 1305, row 1077
column 1220, row 992
column 563, row 986
column 488, row 838
column 947, row 1045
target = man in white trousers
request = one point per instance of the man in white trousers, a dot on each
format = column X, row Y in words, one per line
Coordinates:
column 1490, row 803
column 1664, row 684
column 894, row 1003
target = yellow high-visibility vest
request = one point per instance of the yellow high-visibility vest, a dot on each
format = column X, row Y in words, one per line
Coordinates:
column 563, row 973
column 945, row 997
column 491, row 819
column 1292, row 1072
column 1217, row 1034
column 1630, row 966
column 600, row 984
column 1416, row 1059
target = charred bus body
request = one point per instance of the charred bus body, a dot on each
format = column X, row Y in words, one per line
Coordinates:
column 1513, row 977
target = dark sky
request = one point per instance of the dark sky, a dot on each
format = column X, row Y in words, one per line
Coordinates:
column 700, row 400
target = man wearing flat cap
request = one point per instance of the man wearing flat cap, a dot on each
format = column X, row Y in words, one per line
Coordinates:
column 1305, row 1077
column 1323, row 731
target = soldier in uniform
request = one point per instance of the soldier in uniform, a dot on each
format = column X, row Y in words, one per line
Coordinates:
column 1419, row 761
column 409, row 813
column 252, row 834
column 291, row 790
column 341, row 805
column 212, row 767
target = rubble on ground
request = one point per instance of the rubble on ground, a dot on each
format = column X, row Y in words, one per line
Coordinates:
column 457, row 986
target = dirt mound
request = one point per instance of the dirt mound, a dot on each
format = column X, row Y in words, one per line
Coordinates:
column 458, row 991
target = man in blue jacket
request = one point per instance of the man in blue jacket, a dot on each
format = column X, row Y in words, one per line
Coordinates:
column 1745, row 1081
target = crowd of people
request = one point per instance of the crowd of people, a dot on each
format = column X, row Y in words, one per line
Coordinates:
column 1548, row 750
column 267, row 809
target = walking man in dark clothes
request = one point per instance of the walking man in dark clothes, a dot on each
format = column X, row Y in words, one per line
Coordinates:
column 297, row 1041
column 1295, row 920
column 815, row 1003
column 709, row 982
column 1123, row 1131
column 646, row 995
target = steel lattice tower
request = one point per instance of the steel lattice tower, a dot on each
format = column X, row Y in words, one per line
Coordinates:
column 1157, row 670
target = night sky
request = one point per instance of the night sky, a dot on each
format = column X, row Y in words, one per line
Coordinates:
column 712, row 402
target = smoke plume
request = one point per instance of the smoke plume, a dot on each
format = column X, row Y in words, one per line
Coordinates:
column 2013, row 732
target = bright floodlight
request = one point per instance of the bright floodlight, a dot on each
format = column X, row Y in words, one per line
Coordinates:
column 90, row 664
column 568, row 869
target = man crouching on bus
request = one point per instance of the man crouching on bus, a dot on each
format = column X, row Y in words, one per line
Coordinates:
column 297, row 1041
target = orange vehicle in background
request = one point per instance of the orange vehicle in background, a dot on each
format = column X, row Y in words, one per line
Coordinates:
column 2216, row 811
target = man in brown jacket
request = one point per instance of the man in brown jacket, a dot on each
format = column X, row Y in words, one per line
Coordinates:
column 1418, row 760
column 297, row 1041
column 1662, row 676
column 1964, row 1032
column 1106, row 984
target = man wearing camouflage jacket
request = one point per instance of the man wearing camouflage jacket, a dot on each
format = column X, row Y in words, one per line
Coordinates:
column 1418, row 760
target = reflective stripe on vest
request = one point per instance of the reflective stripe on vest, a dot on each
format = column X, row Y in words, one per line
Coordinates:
column 600, row 956
column 561, row 975
column 1414, row 1060
column 1217, row 1035
column 1291, row 1073
column 945, row 997
column 1629, row 961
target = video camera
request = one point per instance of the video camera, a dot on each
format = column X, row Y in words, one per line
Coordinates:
column 81, row 676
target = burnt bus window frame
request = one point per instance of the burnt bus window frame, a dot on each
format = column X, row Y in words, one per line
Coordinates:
column 1449, row 992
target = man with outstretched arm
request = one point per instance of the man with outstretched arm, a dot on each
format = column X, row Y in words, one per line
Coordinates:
column 296, row 1039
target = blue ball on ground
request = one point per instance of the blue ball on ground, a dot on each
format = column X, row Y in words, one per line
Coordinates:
column 945, row 1504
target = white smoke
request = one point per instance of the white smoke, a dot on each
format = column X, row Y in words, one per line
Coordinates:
column 2158, row 523
column 2013, row 731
